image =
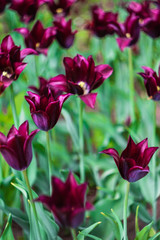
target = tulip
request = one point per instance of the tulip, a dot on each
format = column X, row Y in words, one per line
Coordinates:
column 11, row 64
column 67, row 201
column 26, row 9
column 129, row 32
column 103, row 23
column 45, row 110
column 60, row 6
column 38, row 38
column 142, row 10
column 64, row 35
column 133, row 162
column 16, row 148
column 82, row 76
column 152, row 83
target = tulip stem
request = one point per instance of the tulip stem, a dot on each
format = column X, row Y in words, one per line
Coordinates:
column 31, row 200
column 131, row 85
column 13, row 106
column 49, row 160
column 154, row 206
column 125, row 211
column 73, row 233
column 81, row 142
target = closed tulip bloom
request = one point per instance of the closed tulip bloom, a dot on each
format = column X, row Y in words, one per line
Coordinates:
column 152, row 83
column 45, row 109
column 82, row 76
column 16, row 148
column 64, row 34
column 103, row 23
column 38, row 38
column 27, row 9
column 67, row 202
column 133, row 162
column 129, row 32
column 11, row 64
column 60, row 6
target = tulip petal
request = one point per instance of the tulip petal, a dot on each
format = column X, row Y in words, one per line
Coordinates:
column 41, row 120
column 136, row 173
column 89, row 99
column 27, row 51
column 19, row 67
column 59, row 82
column 10, row 157
column 31, row 104
column 105, row 70
column 7, row 44
column 27, row 148
column 24, row 129
column 148, row 153
column 23, row 31
column 3, row 139
column 112, row 152
column 53, row 111
column 123, row 43
column 12, row 132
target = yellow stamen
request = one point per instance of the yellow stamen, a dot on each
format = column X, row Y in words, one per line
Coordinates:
column 128, row 35
column 84, row 86
column 149, row 98
column 59, row 10
column 6, row 74
column 140, row 21
column 158, row 88
column 37, row 45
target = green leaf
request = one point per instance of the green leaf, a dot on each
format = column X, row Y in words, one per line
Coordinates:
column 136, row 220
column 86, row 231
column 144, row 233
column 155, row 236
column 116, row 223
column 7, row 233
column 20, row 188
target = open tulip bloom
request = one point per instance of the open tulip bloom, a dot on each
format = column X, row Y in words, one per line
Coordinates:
column 133, row 162
column 38, row 38
column 103, row 23
column 82, row 76
column 11, row 64
column 60, row 7
column 27, row 9
column 16, row 148
column 152, row 83
column 67, row 202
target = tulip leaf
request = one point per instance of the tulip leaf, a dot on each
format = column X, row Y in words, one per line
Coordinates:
column 86, row 231
column 20, row 188
column 144, row 233
column 116, row 223
column 155, row 236
column 136, row 220
column 7, row 233
column 18, row 216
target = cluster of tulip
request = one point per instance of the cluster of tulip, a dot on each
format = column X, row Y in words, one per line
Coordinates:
column 68, row 199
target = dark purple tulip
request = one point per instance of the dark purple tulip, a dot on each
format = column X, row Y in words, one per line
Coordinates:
column 151, row 24
column 27, row 9
column 16, row 148
column 152, row 83
column 64, row 35
column 38, row 38
column 133, row 162
column 103, row 23
column 60, row 6
column 11, row 64
column 142, row 10
column 45, row 109
column 43, row 88
column 82, row 76
column 68, row 201
column 129, row 32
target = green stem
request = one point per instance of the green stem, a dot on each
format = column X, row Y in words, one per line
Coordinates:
column 49, row 160
column 154, row 204
column 131, row 85
column 81, row 142
column 13, row 106
column 125, row 211
column 73, row 233
column 31, row 200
